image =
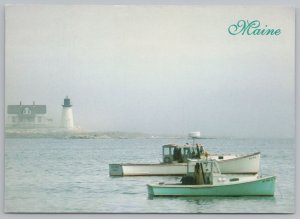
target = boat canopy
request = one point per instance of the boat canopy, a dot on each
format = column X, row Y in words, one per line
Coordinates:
column 201, row 172
column 180, row 146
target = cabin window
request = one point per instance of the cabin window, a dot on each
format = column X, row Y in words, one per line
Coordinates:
column 215, row 168
column 186, row 153
column 167, row 151
column 171, row 151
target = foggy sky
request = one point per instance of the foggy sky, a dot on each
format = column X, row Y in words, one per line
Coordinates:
column 154, row 69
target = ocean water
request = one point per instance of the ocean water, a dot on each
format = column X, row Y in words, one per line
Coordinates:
column 72, row 175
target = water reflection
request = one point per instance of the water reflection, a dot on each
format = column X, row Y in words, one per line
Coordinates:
column 205, row 199
column 220, row 204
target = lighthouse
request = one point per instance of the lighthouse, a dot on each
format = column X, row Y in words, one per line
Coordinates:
column 67, row 121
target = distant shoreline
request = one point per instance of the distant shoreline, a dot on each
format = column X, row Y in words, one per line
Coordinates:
column 77, row 134
column 80, row 134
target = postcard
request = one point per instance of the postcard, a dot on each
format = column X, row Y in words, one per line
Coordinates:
column 149, row 109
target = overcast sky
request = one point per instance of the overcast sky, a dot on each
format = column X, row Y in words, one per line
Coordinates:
column 154, row 69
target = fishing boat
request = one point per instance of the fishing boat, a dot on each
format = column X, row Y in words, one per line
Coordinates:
column 207, row 180
column 175, row 159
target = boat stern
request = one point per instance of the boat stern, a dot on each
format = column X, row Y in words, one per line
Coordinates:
column 150, row 190
column 115, row 170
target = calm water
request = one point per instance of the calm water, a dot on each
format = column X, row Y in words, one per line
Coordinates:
column 71, row 175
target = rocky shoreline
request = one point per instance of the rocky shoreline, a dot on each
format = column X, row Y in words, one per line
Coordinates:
column 79, row 134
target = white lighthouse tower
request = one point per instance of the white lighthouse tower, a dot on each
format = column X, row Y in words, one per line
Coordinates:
column 67, row 121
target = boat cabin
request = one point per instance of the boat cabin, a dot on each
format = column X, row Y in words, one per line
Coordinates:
column 181, row 153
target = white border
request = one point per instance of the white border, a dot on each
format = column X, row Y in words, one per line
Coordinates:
column 293, row 3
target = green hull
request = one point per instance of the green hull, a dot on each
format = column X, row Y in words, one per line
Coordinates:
column 260, row 187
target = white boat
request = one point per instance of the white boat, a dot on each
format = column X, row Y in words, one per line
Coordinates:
column 206, row 180
column 177, row 165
